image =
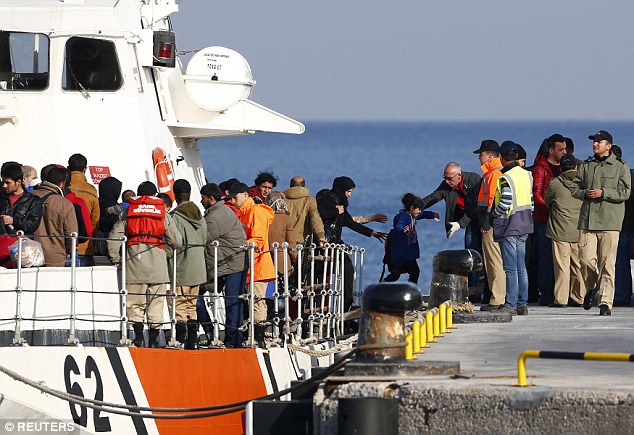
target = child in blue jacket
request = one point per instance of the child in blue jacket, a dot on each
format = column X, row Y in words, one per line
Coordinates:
column 404, row 250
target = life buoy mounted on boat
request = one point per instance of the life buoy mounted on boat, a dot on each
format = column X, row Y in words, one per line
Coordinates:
column 164, row 172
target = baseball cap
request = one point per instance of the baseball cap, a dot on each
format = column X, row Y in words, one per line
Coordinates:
column 509, row 150
column 601, row 135
column 182, row 186
column 567, row 163
column 235, row 189
column 488, row 145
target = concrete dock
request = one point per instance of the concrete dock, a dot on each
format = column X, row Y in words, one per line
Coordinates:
column 566, row 396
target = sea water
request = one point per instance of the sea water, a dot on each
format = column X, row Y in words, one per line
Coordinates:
column 386, row 160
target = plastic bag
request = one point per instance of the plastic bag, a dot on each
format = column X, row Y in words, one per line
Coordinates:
column 32, row 253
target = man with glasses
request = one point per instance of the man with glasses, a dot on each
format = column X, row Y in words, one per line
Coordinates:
column 455, row 190
column 603, row 183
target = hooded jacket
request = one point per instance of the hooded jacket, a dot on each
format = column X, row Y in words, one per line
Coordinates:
column 304, row 215
column 542, row 174
column 58, row 219
column 334, row 221
column 256, row 219
column 564, row 209
column 88, row 193
column 190, row 259
column 225, row 227
column 109, row 191
column 613, row 176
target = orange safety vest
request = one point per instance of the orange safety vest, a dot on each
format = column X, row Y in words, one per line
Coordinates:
column 146, row 221
column 492, row 172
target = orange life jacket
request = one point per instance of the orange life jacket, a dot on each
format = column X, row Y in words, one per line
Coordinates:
column 146, row 221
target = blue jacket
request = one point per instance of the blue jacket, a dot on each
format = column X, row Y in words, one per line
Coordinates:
column 404, row 246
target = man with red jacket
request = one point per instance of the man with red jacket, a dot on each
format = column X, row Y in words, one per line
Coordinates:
column 546, row 167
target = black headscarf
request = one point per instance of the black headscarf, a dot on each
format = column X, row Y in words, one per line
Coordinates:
column 109, row 191
column 340, row 186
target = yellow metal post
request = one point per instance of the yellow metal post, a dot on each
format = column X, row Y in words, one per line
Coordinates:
column 416, row 336
column 436, row 318
column 408, row 349
column 442, row 311
column 429, row 326
column 450, row 317
column 423, row 334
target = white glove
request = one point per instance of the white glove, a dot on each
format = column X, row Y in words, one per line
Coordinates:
column 455, row 226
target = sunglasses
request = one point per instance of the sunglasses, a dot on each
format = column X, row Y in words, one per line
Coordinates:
column 450, row 178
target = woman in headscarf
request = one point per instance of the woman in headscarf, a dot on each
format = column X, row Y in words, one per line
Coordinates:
column 110, row 211
column 333, row 209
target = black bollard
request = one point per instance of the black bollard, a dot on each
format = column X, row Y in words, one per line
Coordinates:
column 383, row 308
column 449, row 281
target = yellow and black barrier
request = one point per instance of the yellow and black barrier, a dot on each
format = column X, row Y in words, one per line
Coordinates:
column 546, row 354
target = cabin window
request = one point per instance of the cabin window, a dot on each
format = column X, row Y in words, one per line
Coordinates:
column 24, row 61
column 91, row 65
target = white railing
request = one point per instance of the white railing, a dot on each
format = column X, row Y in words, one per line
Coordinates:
column 314, row 287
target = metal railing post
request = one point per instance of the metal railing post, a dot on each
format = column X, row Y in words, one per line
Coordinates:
column 123, row 292
column 17, row 337
column 173, row 342
column 300, row 294
column 287, row 294
column 323, row 292
column 276, row 292
column 311, row 294
column 360, row 273
column 216, row 297
column 342, row 290
column 251, row 342
column 356, row 295
column 72, row 338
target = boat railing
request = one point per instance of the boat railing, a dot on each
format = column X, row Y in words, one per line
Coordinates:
column 307, row 298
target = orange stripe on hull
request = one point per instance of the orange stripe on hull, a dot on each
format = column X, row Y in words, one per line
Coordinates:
column 191, row 379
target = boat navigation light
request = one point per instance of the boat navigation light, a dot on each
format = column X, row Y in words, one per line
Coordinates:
column 164, row 53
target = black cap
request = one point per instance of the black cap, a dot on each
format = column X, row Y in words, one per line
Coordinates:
column 182, row 186
column 509, row 150
column 601, row 135
column 567, row 163
column 488, row 145
column 235, row 189
column 521, row 152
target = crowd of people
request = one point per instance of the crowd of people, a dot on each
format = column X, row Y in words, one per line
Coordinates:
column 556, row 233
column 566, row 222
column 159, row 232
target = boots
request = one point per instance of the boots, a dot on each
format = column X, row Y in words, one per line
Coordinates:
column 259, row 331
column 138, row 341
column 192, row 335
column 181, row 332
column 153, row 337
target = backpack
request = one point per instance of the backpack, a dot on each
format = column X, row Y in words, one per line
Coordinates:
column 387, row 257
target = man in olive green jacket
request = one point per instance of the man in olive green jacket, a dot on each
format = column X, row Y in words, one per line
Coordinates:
column 603, row 183
column 561, row 228
column 191, row 270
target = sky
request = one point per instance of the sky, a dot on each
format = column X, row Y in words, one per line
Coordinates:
column 427, row 60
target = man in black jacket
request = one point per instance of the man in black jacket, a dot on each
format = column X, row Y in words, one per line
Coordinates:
column 19, row 209
column 457, row 190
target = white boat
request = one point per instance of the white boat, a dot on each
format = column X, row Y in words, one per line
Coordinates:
column 101, row 78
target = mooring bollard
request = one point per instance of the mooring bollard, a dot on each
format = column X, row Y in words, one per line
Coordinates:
column 382, row 332
column 449, row 280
